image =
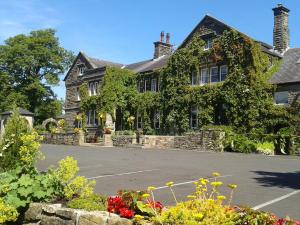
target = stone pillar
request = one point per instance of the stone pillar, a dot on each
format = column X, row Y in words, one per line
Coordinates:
column 108, row 140
column 281, row 33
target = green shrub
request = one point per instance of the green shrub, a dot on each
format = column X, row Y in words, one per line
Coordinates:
column 18, row 188
column 124, row 132
column 91, row 203
column 266, row 148
column 11, row 142
column 242, row 144
column 250, row 216
column 7, row 213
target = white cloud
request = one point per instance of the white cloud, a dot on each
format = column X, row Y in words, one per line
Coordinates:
column 22, row 16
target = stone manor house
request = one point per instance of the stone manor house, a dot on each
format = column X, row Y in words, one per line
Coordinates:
column 90, row 70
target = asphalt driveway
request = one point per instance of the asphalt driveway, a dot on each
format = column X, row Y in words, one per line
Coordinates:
column 264, row 182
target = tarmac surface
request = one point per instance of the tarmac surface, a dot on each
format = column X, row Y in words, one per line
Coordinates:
column 268, row 183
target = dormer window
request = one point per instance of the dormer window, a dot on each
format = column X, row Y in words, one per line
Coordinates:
column 81, row 69
column 208, row 44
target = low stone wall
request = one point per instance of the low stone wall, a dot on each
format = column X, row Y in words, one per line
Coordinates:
column 44, row 214
column 123, row 140
column 161, row 142
column 63, row 138
column 205, row 140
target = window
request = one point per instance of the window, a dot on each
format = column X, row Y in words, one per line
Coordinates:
column 157, row 120
column 81, row 69
column 92, row 118
column 194, row 117
column 214, row 75
column 141, row 86
column 78, row 94
column 194, row 78
column 208, row 44
column 96, row 88
column 147, row 84
column 204, row 76
column 91, row 89
column 139, row 122
column 153, row 85
column 282, row 98
column 223, row 72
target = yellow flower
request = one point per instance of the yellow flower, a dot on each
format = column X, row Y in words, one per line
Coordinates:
column 221, row 197
column 215, row 174
column 170, row 184
column 145, row 195
column 191, row 196
column 216, row 183
column 198, row 216
column 138, row 217
column 195, row 182
column 232, row 186
column 151, row 188
column 203, row 181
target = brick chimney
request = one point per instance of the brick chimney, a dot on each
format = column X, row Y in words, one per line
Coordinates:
column 161, row 47
column 281, row 33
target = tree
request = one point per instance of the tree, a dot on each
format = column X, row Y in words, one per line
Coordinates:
column 29, row 66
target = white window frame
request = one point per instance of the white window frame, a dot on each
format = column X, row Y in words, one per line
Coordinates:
column 194, row 78
column 194, row 111
column 154, row 84
column 201, row 76
column 281, row 103
column 208, row 44
column 210, row 75
column 221, row 67
column 81, row 69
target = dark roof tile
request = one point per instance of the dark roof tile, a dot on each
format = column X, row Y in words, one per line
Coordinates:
column 289, row 71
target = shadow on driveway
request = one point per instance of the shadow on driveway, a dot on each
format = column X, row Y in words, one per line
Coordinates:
column 278, row 179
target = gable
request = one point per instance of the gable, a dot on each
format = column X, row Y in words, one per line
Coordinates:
column 79, row 60
column 207, row 27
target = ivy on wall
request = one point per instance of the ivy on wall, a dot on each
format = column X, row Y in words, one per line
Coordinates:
column 244, row 100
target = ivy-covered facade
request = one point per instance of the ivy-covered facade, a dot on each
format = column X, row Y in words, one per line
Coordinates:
column 218, row 75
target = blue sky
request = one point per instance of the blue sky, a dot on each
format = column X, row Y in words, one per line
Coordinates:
column 124, row 31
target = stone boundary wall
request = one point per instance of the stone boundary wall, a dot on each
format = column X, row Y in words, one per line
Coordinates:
column 123, row 140
column 205, row 140
column 69, row 138
column 161, row 142
column 45, row 214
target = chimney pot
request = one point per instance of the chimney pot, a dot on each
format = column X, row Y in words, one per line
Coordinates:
column 162, row 36
column 168, row 38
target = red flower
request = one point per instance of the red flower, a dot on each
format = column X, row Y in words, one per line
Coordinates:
column 114, row 204
column 126, row 213
column 156, row 205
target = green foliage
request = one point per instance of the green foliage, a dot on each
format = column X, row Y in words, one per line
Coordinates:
column 7, row 213
column 11, row 142
column 266, row 148
column 250, row 216
column 29, row 66
column 91, row 203
column 70, row 185
column 19, row 187
column 124, row 132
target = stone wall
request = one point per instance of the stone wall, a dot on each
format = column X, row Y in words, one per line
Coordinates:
column 44, row 214
column 63, row 138
column 161, row 142
column 123, row 140
column 205, row 140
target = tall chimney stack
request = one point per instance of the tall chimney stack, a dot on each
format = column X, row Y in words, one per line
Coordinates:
column 281, row 33
column 161, row 47
column 168, row 38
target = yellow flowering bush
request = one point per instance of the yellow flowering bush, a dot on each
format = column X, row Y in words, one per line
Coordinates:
column 7, row 213
column 205, row 206
column 72, row 185
column 29, row 151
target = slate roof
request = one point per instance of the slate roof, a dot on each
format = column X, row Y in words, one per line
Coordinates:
column 289, row 71
column 23, row 112
column 148, row 65
column 97, row 63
